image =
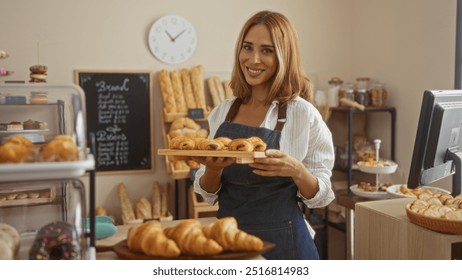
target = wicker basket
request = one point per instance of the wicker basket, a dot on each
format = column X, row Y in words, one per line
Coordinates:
column 435, row 224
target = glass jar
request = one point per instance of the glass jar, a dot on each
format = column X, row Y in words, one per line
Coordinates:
column 361, row 94
column 332, row 92
column 378, row 95
column 346, row 91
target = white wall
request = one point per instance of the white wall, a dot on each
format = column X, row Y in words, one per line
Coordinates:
column 408, row 44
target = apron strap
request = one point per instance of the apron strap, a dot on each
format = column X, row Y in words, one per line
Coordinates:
column 282, row 112
column 233, row 110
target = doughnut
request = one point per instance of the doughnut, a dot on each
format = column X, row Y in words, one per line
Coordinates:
column 38, row 69
column 240, row 144
column 56, row 241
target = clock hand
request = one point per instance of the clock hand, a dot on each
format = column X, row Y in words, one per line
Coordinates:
column 178, row 35
column 170, row 36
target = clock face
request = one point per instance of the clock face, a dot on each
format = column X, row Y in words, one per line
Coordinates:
column 172, row 39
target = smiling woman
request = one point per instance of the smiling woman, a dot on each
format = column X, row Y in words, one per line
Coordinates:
column 269, row 83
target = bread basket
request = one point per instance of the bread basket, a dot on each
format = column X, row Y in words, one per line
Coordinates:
column 435, row 224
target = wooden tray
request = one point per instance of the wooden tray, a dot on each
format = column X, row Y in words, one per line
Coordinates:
column 121, row 249
column 241, row 157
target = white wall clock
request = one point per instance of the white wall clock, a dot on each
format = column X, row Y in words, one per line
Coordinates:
column 172, row 39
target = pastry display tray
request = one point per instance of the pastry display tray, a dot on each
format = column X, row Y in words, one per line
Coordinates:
column 241, row 157
column 10, row 172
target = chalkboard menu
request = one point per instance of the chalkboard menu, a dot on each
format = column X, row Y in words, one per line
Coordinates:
column 119, row 116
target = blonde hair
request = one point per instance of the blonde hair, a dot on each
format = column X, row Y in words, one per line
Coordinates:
column 290, row 80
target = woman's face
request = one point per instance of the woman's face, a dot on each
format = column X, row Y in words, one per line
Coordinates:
column 257, row 57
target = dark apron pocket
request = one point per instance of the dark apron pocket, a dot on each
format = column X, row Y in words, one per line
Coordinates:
column 281, row 234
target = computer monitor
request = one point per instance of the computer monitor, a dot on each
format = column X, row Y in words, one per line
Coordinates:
column 438, row 144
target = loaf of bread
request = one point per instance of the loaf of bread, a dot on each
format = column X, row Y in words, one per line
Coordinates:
column 191, row 240
column 167, row 91
column 228, row 90
column 9, row 242
column 213, row 91
column 128, row 214
column 226, row 233
column 187, row 89
column 220, row 89
column 150, row 239
column 164, row 200
column 143, row 209
column 197, row 82
column 156, row 200
column 177, row 87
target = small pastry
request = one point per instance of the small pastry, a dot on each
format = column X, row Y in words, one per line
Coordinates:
column 240, row 144
column 22, row 196
column 210, row 145
column 34, row 195
column 257, row 143
column 224, row 140
column 12, row 196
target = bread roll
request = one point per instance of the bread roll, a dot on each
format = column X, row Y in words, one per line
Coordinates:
column 198, row 86
column 177, row 86
column 128, row 214
column 187, row 89
column 167, row 91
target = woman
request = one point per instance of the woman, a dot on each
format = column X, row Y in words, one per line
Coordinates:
column 263, row 196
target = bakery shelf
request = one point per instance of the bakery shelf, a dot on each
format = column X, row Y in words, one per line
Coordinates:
column 66, row 112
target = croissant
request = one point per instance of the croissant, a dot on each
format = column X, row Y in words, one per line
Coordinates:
column 230, row 237
column 150, row 239
column 240, row 144
column 258, row 144
column 191, row 240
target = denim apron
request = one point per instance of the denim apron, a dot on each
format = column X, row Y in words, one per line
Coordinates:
column 264, row 206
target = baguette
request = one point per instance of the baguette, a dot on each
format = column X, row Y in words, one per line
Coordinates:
column 187, row 89
column 128, row 214
column 167, row 91
column 228, row 90
column 220, row 89
column 156, row 202
column 213, row 91
column 198, row 85
column 177, row 87
column 143, row 209
column 164, row 200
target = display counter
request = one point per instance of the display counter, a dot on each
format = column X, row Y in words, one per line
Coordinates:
column 384, row 232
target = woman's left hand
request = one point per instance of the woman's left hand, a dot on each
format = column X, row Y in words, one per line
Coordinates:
column 276, row 163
